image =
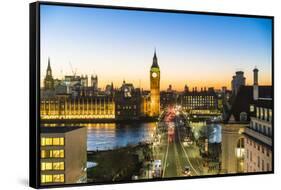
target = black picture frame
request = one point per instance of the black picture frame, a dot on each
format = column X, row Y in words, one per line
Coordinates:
column 34, row 90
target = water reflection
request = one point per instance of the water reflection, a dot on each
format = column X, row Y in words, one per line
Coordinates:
column 104, row 136
column 110, row 136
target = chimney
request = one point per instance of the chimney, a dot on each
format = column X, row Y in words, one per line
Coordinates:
column 256, row 84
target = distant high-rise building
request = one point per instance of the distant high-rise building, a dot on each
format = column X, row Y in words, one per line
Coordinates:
column 155, row 86
column 49, row 80
column 237, row 81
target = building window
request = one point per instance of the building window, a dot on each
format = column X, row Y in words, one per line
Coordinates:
column 270, row 115
column 252, row 108
column 269, row 131
column 267, row 152
column 58, row 166
column 251, row 156
column 263, row 129
column 58, row 178
column 261, row 113
column 262, row 165
column 46, row 166
column 44, row 154
column 265, row 114
column 46, row 178
column 258, row 162
column 52, row 166
column 52, row 153
column 58, row 153
column 48, row 141
column 58, row 141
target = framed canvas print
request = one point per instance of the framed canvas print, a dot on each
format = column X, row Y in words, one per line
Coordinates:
column 122, row 94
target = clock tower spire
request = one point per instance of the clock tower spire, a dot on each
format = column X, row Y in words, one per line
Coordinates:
column 155, row 87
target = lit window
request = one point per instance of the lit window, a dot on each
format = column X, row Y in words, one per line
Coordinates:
column 58, row 165
column 56, row 141
column 43, row 154
column 258, row 113
column 46, row 166
column 61, row 141
column 252, row 108
column 58, row 153
column 269, row 115
column 58, row 178
column 48, row 141
column 46, row 178
column 43, row 141
column 52, row 141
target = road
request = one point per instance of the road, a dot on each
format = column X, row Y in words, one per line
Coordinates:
column 171, row 151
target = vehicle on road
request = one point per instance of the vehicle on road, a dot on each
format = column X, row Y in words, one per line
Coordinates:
column 157, row 169
column 187, row 141
column 186, row 171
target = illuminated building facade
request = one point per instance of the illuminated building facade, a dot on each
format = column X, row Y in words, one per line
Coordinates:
column 145, row 104
column 258, row 138
column 199, row 102
column 155, row 87
column 168, row 98
column 127, row 102
column 63, row 155
column 81, row 107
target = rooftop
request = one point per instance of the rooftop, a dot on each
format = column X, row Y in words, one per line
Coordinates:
column 241, row 102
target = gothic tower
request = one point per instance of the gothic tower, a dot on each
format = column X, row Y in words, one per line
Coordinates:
column 155, row 87
column 49, row 81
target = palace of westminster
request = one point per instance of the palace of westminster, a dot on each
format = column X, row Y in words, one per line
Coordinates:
column 74, row 98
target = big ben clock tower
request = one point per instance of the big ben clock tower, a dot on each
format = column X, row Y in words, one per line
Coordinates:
column 155, row 87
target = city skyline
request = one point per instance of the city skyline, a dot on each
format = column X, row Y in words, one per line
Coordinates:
column 192, row 49
column 148, row 88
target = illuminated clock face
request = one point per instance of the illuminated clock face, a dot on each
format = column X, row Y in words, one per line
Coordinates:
column 154, row 74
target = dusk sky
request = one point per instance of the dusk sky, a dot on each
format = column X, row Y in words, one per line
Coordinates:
column 117, row 45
